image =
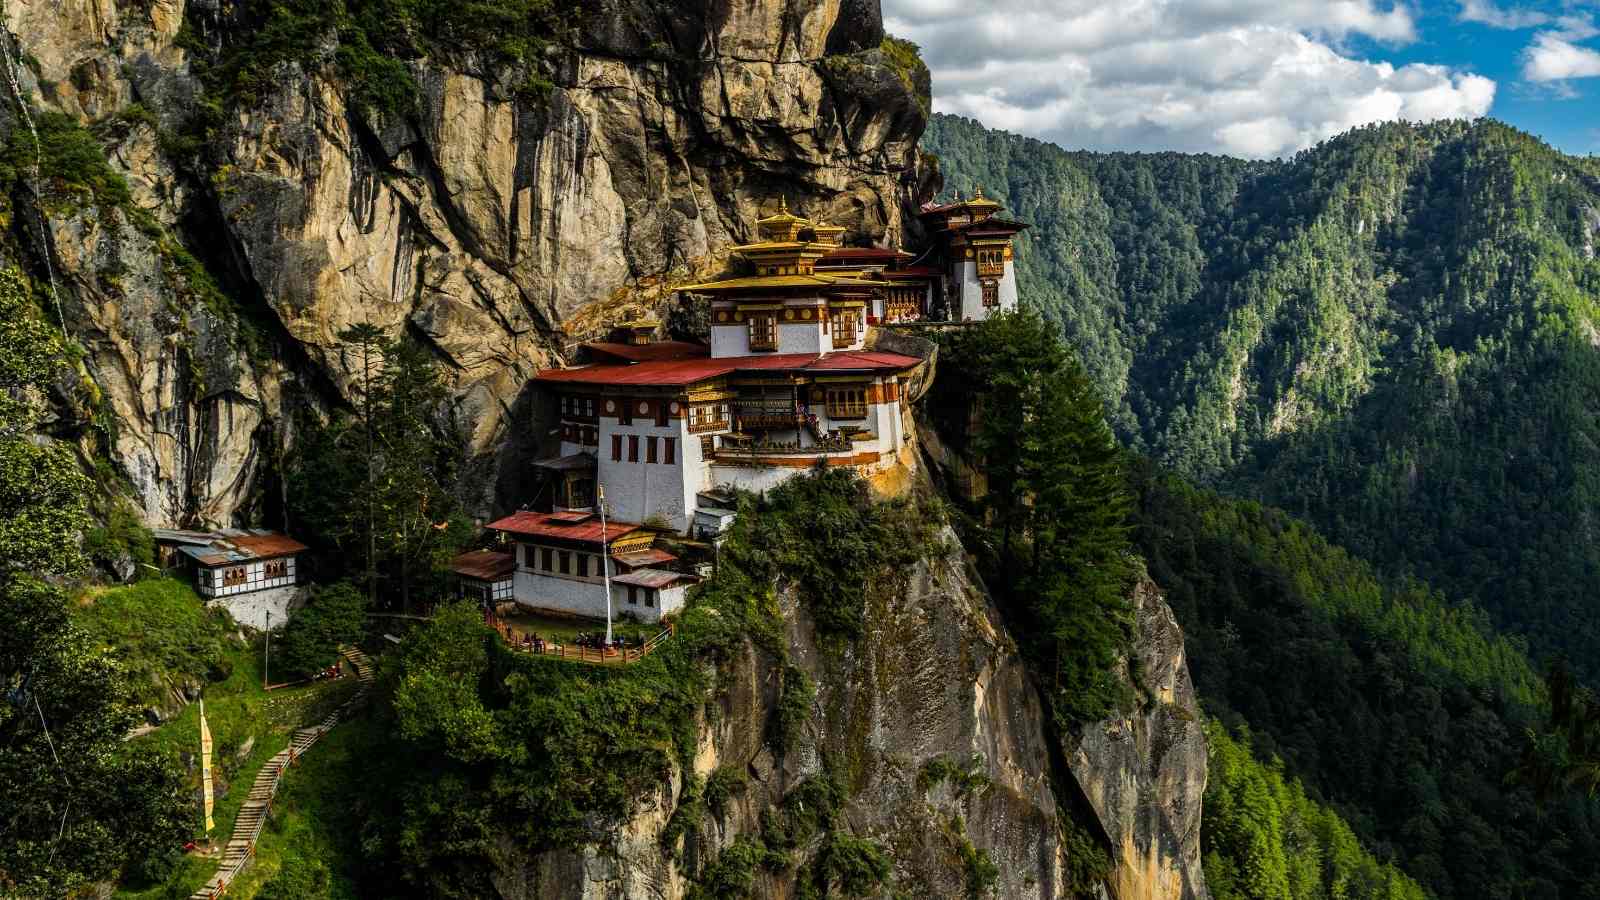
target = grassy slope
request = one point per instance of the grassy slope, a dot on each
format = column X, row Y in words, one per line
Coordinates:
column 161, row 630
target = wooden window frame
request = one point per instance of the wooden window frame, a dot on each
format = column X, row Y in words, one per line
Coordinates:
column 842, row 327
column 583, row 565
column 661, row 413
column 547, row 556
column 846, row 402
column 669, row 451
column 650, row 598
column 564, row 561
column 990, row 293
column 624, row 411
column 763, row 331
column 616, row 448
column 633, row 448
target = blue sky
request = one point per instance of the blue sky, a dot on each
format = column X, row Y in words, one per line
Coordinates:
column 1257, row 78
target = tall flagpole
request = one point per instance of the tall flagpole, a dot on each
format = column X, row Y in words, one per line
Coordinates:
column 605, row 560
column 207, row 795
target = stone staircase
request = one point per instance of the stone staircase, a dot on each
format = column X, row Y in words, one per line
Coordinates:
column 241, row 847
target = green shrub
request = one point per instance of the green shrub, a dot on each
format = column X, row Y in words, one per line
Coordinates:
column 334, row 617
column 122, row 537
column 858, row 866
column 723, row 785
column 161, row 632
column 795, row 697
column 965, row 779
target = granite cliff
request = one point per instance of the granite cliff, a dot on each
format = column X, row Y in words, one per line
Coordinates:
column 941, row 737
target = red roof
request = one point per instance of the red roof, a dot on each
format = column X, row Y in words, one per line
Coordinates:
column 484, row 565
column 673, row 373
column 549, row 525
column 644, row 352
column 266, row 545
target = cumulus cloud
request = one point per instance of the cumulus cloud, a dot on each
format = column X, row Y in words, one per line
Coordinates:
column 1551, row 57
column 1255, row 78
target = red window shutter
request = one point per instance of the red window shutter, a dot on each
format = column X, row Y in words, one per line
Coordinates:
column 633, row 448
column 616, row 448
column 669, row 453
column 650, row 450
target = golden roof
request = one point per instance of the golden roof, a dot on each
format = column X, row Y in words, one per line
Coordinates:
column 777, row 281
column 979, row 200
column 782, row 216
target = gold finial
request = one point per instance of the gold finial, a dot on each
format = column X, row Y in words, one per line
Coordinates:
column 958, row 195
column 978, row 194
column 783, row 204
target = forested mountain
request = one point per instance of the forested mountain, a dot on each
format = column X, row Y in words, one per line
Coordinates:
column 1391, row 334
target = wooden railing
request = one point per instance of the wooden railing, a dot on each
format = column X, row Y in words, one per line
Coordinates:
column 595, row 655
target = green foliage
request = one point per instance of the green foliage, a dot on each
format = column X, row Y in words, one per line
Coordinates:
column 980, row 869
column 334, row 617
column 725, row 783
column 1265, row 839
column 1390, row 334
column 858, row 867
column 371, row 43
column 963, row 778
column 906, row 58
column 73, row 170
column 377, row 491
column 732, row 874
column 161, row 633
column 1055, row 503
column 795, row 696
column 123, row 537
column 1400, row 712
column 1564, row 754
column 68, row 705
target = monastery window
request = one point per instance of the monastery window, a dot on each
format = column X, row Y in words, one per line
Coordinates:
column 277, row 568
column 548, row 558
column 633, row 595
column 650, row 449
column 991, row 294
column 649, row 597
column 847, row 402
column 763, row 331
column 901, row 304
column 590, row 436
column 661, row 413
column 624, row 411
column 583, row 565
column 708, row 417
column 844, row 328
column 991, row 261
column 616, row 448
column 233, row 576
column 708, row 446
column 564, row 558
column 633, row 448
column 669, row 450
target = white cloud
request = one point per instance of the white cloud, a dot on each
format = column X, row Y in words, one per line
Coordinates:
column 1248, row 77
column 1485, row 12
column 1553, row 58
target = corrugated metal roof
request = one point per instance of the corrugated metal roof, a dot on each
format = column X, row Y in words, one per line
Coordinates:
column 237, row 546
column 639, row 559
column 546, row 525
column 484, row 565
column 651, row 578
column 571, row 463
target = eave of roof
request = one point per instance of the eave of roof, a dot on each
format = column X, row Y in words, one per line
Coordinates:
column 652, row 578
column 681, row 372
column 484, row 565
column 546, row 525
column 643, row 352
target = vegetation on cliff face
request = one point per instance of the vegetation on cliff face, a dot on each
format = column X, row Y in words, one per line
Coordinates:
column 64, row 705
column 1404, row 714
column 1390, row 335
column 489, row 744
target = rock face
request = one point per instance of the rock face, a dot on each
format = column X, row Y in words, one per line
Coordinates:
column 1145, row 773
column 936, row 678
column 497, row 229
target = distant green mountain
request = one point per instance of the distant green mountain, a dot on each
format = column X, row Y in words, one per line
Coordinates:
column 1392, row 334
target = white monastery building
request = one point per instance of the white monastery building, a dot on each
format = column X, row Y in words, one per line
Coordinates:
column 788, row 383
